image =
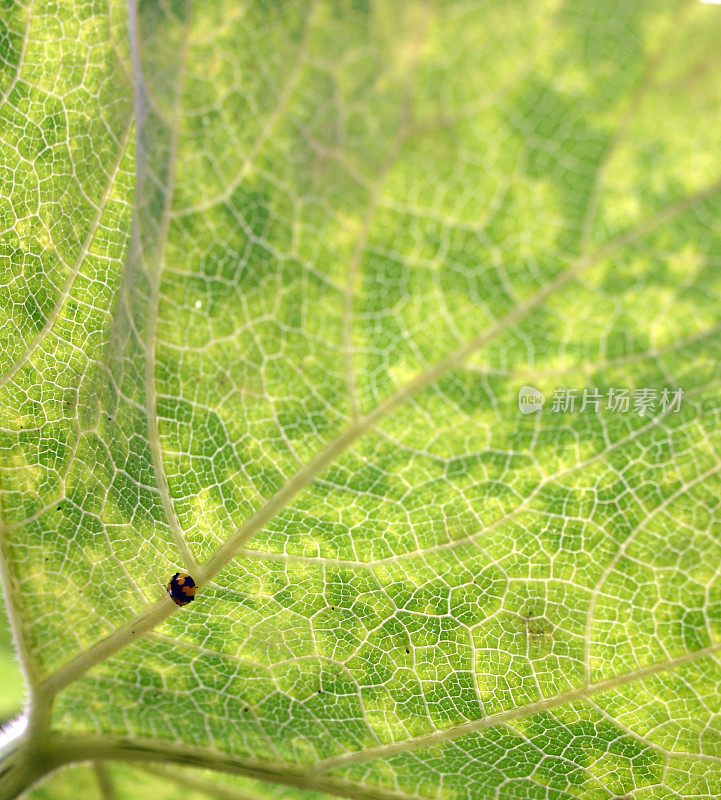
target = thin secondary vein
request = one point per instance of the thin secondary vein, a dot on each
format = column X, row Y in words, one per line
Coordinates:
column 21, row 56
column 531, row 496
column 376, row 191
column 634, row 104
column 663, row 751
column 265, row 132
column 152, row 324
column 82, row 255
column 589, row 367
column 570, row 696
column 349, row 301
column 621, row 552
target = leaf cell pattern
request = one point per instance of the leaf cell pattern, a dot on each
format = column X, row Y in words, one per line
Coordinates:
column 273, row 275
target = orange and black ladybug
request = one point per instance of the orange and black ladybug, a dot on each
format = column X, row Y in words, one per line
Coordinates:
column 181, row 589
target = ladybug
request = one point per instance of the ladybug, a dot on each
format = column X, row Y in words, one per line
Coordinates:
column 181, row 588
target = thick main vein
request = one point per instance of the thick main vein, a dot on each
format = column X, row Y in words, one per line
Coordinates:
column 70, row 749
column 13, row 610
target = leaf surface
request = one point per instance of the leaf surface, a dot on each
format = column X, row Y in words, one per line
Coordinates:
column 273, row 276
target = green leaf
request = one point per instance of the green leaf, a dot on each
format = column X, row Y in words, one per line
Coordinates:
column 273, row 277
